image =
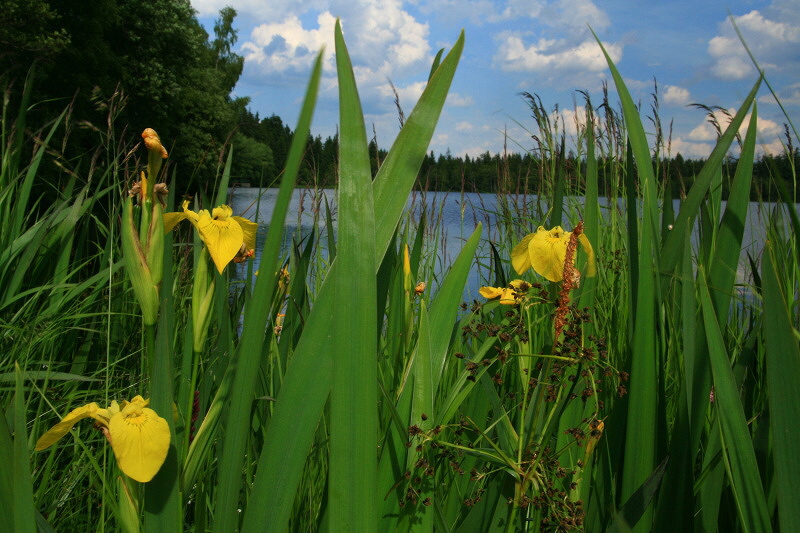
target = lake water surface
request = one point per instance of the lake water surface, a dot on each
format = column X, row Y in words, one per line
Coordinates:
column 456, row 215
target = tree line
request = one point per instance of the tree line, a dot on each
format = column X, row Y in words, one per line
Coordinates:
column 513, row 172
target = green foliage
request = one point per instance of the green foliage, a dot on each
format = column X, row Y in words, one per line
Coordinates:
column 28, row 30
column 334, row 392
column 228, row 62
column 252, row 161
column 155, row 54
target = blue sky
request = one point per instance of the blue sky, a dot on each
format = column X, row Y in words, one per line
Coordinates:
column 512, row 46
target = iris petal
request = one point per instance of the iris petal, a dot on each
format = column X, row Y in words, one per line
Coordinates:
column 506, row 294
column 519, row 285
column 490, row 292
column 508, row 297
column 223, row 234
column 223, row 238
column 547, row 251
column 172, row 219
column 519, row 255
column 140, row 440
column 62, row 428
column 249, row 229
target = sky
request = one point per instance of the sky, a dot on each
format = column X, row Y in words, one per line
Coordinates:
column 689, row 50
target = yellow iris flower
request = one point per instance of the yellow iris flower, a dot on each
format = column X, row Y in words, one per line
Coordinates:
column 508, row 295
column 224, row 235
column 545, row 251
column 139, row 437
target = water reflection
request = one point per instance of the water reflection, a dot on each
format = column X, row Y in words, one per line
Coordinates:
column 450, row 219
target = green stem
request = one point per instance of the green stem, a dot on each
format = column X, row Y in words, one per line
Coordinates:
column 514, row 508
column 149, row 350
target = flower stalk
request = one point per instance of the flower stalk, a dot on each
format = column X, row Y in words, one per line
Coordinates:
column 202, row 300
column 143, row 250
column 571, row 278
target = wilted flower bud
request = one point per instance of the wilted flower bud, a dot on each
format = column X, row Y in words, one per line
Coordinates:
column 136, row 191
column 161, row 192
column 153, row 142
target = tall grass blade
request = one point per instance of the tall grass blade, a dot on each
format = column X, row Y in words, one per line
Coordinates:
column 24, row 513
column 643, row 403
column 444, row 308
column 632, row 217
column 633, row 509
column 279, row 474
column 249, row 353
column 557, row 205
column 21, row 206
column 11, row 158
column 722, row 245
column 591, row 214
column 396, row 176
column 222, row 188
column 676, row 512
column 353, row 403
column 783, row 369
column 436, row 61
column 329, row 231
column 791, row 208
column 422, row 415
column 670, row 250
column 738, row 453
column 162, row 507
column 728, row 245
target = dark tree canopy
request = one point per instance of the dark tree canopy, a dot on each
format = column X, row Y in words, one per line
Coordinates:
column 156, row 54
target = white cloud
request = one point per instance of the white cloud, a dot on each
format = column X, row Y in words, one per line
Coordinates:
column 731, row 63
column 676, row 96
column 575, row 15
column 459, row 100
column 562, row 16
column 479, row 12
column 464, row 126
column 570, row 121
column 408, row 95
column 440, row 139
column 514, row 9
column 554, row 56
column 477, row 150
column 385, row 40
column 286, row 45
column 767, row 129
column 563, row 42
column 700, row 149
column 774, row 148
column 689, row 149
column 570, row 16
column 774, row 43
column 789, row 95
column 703, row 132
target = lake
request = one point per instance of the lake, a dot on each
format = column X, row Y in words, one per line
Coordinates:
column 456, row 216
